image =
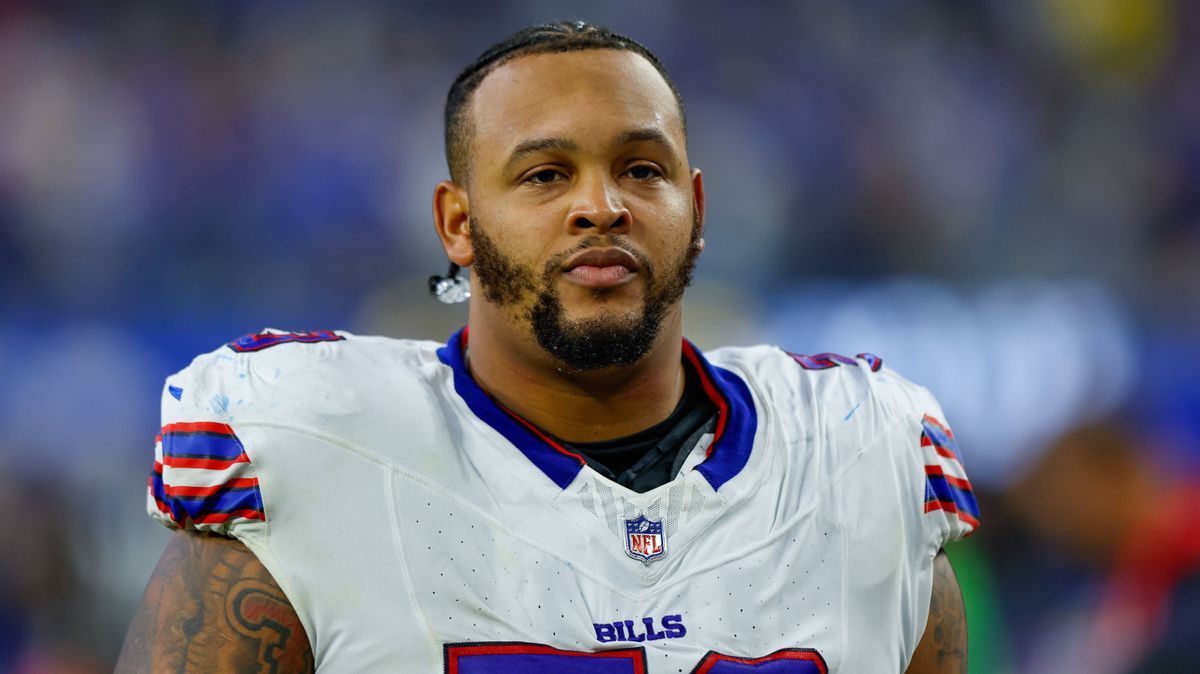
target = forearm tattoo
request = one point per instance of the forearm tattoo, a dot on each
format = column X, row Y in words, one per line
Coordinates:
column 943, row 647
column 211, row 606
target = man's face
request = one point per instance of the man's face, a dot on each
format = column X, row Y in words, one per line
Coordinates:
column 585, row 224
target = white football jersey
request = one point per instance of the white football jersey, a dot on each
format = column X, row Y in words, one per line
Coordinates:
column 417, row 526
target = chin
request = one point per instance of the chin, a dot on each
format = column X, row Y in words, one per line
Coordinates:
column 620, row 298
column 603, row 308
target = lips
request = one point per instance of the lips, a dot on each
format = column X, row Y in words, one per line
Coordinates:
column 603, row 257
column 601, row 267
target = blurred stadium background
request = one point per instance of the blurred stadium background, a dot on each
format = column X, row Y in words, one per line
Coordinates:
column 999, row 197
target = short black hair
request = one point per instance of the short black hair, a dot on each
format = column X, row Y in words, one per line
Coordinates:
column 546, row 38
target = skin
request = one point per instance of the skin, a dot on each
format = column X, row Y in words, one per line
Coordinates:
column 617, row 166
column 211, row 606
column 943, row 646
column 572, row 145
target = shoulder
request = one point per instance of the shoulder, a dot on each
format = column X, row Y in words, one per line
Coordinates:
column 280, row 375
column 841, row 409
column 828, row 385
column 238, row 414
column 867, row 425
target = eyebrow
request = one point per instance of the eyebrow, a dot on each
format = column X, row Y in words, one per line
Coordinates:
column 535, row 145
column 645, row 135
column 560, row 144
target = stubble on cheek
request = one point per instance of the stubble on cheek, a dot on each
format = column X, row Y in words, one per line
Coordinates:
column 504, row 281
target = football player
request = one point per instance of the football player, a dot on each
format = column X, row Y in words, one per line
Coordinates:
column 569, row 485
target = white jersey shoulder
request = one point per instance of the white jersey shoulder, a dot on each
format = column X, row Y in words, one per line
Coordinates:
column 857, row 409
column 347, row 388
column 413, row 523
column 312, row 382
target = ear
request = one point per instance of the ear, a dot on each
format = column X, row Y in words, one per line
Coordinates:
column 698, row 201
column 452, row 220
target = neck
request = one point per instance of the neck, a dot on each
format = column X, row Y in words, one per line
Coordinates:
column 579, row 406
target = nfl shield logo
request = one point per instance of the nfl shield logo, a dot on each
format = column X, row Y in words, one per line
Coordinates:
column 644, row 539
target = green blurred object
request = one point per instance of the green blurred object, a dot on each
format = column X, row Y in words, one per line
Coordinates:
column 987, row 642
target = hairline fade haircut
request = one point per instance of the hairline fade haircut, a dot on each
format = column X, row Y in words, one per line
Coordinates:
column 547, row 38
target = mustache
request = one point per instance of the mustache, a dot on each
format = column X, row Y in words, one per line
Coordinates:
column 554, row 264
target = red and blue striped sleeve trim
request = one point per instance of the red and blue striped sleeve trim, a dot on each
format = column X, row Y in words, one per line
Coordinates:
column 938, row 436
column 205, row 445
column 950, row 494
column 216, row 494
column 944, row 491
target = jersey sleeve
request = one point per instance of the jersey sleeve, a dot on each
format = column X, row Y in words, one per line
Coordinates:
column 951, row 512
column 203, row 479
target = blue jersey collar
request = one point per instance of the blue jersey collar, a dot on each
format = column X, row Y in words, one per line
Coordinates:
column 737, row 419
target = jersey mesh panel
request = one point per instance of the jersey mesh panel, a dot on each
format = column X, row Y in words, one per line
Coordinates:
column 682, row 500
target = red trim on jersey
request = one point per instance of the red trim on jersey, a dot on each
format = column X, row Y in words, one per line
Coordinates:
column 162, row 506
column 210, row 464
column 945, row 429
column 236, row 483
column 541, row 434
column 943, row 451
column 455, row 358
column 954, row 481
column 950, row 507
column 969, row 520
column 711, row 391
column 804, row 654
column 554, row 444
column 198, row 427
column 218, row 518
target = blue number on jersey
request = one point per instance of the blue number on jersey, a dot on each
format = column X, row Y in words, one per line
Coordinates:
column 786, row 661
column 517, row 657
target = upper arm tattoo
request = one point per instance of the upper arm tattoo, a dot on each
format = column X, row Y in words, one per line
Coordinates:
column 943, row 646
column 211, row 606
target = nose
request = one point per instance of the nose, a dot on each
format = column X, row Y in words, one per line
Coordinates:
column 598, row 206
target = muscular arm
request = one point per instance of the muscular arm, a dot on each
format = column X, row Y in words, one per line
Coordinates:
column 943, row 647
column 211, row 606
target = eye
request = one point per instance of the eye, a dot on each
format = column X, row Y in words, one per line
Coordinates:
column 544, row 177
column 643, row 172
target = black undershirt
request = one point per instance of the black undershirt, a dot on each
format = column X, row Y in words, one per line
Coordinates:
column 653, row 457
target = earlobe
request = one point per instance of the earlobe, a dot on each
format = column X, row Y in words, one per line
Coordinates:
column 452, row 220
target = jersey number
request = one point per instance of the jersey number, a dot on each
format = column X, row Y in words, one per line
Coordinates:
column 268, row 338
column 515, row 658
column 824, row 361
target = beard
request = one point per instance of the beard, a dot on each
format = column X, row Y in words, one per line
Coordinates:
column 592, row 343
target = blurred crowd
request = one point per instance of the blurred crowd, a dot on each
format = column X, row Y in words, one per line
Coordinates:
column 999, row 197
